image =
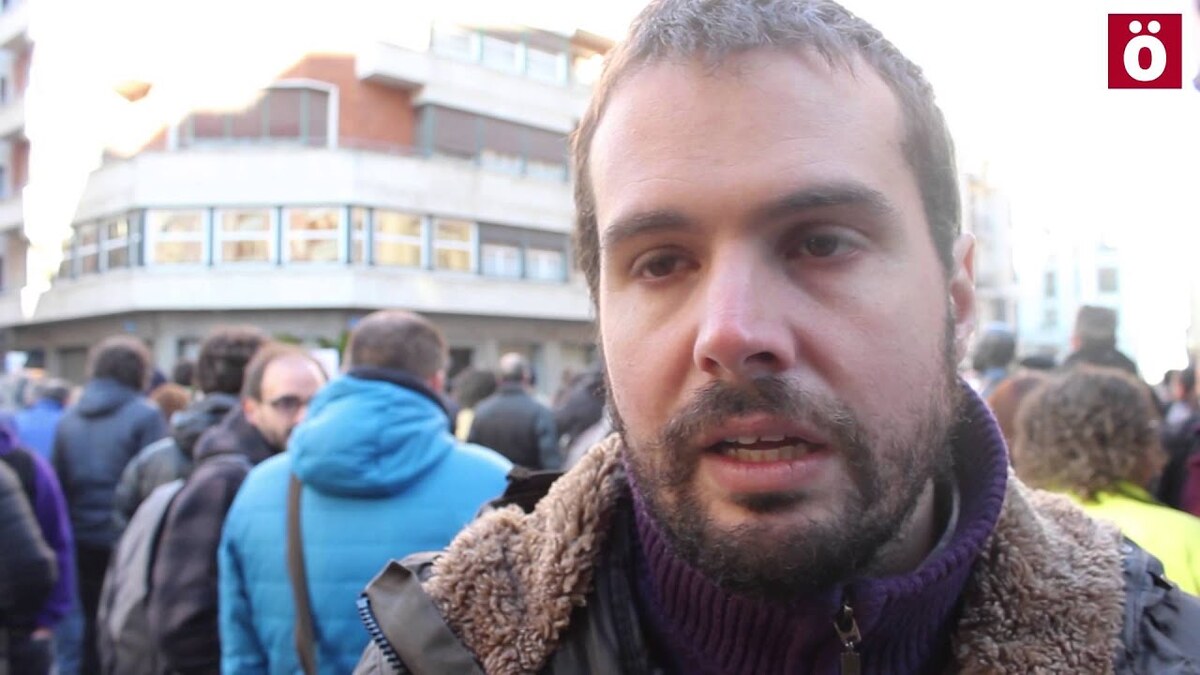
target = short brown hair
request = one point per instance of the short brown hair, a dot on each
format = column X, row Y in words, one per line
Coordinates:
column 123, row 358
column 1005, row 400
column 400, row 340
column 226, row 351
column 1087, row 430
column 269, row 353
column 715, row 29
column 170, row 399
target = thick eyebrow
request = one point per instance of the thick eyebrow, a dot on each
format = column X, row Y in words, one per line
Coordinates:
column 804, row 199
column 837, row 194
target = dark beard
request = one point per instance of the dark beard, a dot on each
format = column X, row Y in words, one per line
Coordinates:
column 888, row 473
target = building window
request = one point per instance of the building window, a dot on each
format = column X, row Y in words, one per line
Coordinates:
column 175, row 237
column 398, row 239
column 454, row 42
column 500, row 52
column 453, row 245
column 500, row 260
column 281, row 114
column 1050, row 318
column 88, row 250
column 495, row 144
column 312, row 234
column 545, row 264
column 1051, row 285
column 116, row 243
column 1106, row 279
column 66, row 268
column 245, row 235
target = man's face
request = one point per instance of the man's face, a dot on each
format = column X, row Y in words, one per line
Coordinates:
column 779, row 333
column 288, row 384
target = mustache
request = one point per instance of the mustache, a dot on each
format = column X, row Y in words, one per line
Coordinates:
column 773, row 395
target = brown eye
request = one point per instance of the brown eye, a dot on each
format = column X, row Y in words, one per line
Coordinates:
column 822, row 246
column 660, row 266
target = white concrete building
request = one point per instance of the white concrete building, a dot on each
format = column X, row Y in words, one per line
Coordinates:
column 431, row 177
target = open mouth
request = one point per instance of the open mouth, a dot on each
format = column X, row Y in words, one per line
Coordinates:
column 762, row 449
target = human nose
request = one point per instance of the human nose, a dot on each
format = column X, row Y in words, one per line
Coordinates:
column 744, row 327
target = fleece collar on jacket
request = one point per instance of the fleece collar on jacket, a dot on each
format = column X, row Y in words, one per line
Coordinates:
column 1046, row 595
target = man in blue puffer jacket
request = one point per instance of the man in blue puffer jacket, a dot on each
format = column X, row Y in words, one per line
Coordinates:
column 382, row 478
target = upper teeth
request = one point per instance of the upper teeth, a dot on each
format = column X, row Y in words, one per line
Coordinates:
column 751, row 440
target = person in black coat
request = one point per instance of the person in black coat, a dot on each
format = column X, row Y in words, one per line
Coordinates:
column 95, row 440
column 513, row 423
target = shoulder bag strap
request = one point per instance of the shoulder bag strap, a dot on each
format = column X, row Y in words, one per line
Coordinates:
column 305, row 636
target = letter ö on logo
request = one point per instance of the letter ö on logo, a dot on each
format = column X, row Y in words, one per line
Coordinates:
column 1145, row 51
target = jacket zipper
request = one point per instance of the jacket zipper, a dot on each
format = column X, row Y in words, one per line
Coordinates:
column 389, row 652
column 847, row 630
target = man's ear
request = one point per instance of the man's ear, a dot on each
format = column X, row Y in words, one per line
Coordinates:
column 962, row 293
column 437, row 382
column 250, row 410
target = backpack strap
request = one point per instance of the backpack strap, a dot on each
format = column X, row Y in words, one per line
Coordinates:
column 305, row 635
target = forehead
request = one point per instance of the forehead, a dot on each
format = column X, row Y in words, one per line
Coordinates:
column 290, row 373
column 761, row 122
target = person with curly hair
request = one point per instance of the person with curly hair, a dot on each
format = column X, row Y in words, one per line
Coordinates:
column 1092, row 434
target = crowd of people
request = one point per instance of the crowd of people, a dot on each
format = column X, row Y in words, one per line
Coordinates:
column 779, row 467
column 159, row 538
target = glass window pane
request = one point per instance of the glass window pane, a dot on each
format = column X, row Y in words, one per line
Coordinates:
column 396, row 223
column 453, row 231
column 459, row 261
column 178, row 252
column 498, row 260
column 454, row 132
column 545, row 66
column 245, row 251
column 313, row 250
column 397, row 253
column 88, row 235
column 118, row 257
column 318, row 116
column 175, row 222
column 498, row 53
column 283, row 113
column 452, row 41
column 545, row 265
column 117, row 230
column 89, row 263
column 208, row 126
column 314, row 221
column 546, row 146
column 246, row 221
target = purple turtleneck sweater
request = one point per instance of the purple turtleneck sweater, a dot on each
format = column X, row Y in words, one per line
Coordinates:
column 696, row 627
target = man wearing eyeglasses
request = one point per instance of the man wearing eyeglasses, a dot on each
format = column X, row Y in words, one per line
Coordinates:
column 182, row 608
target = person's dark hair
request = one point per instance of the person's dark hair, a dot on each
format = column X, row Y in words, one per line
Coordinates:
column 1096, row 327
column 472, row 386
column 1005, row 400
column 123, row 358
column 267, row 354
column 1086, row 430
column 400, row 340
column 1187, row 380
column 183, row 372
column 716, row 29
column 995, row 349
column 226, row 351
column 53, row 389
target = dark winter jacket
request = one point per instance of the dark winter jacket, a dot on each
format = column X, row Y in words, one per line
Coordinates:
column 514, row 424
column 553, row 591
column 581, row 408
column 27, row 567
column 50, row 510
column 36, row 425
column 1107, row 357
column 183, row 602
column 96, row 439
column 172, row 457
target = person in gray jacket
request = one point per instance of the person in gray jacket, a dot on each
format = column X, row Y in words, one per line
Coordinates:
column 95, row 440
column 513, row 423
column 28, row 573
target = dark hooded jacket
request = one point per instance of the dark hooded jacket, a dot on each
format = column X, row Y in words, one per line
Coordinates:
column 28, row 570
column 182, row 607
column 95, row 440
column 169, row 458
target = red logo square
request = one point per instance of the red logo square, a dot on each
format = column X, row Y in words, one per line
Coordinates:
column 1145, row 51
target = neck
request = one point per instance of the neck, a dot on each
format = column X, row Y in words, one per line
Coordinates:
column 913, row 542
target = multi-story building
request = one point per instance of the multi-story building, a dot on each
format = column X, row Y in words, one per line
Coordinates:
column 432, row 178
column 986, row 215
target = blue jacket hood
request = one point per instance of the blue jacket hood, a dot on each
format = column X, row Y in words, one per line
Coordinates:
column 368, row 437
column 102, row 396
